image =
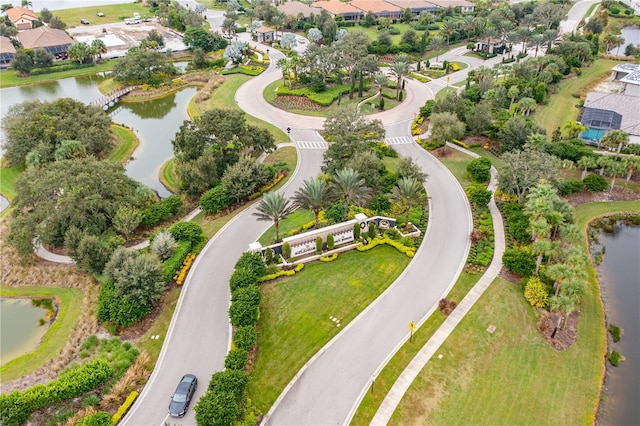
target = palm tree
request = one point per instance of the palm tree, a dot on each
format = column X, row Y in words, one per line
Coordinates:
column 617, row 139
column 527, row 105
column 408, row 191
column 274, row 207
column 380, row 80
column 615, row 169
column 632, row 164
column 525, row 35
column 488, row 34
column 513, row 93
column 283, row 64
column 401, row 68
column 437, row 43
column 535, row 141
column 603, row 163
column 99, row 48
column 512, row 38
column 559, row 272
column 350, row 188
column 565, row 305
column 537, row 40
column 449, row 28
column 542, row 247
column 587, row 162
column 549, row 37
column 313, row 195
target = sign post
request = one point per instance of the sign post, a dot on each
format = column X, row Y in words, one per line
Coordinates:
column 412, row 328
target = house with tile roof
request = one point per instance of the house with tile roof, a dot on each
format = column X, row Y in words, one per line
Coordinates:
column 7, row 51
column 379, row 8
column 265, row 34
column 416, row 6
column 629, row 76
column 464, row 5
column 54, row 41
column 22, row 18
column 604, row 112
column 296, row 8
column 335, row 8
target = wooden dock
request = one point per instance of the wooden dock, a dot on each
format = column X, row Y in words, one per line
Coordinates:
column 112, row 98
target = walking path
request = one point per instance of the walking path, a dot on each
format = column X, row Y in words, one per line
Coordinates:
column 399, row 388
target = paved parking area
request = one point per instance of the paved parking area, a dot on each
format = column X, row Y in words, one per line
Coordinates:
column 120, row 37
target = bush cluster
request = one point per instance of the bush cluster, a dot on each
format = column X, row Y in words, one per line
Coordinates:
column 16, row 407
column 122, row 311
column 224, row 400
column 517, row 222
column 478, row 194
column 122, row 410
column 519, row 261
column 536, row 293
column 571, row 186
column 324, row 98
column 479, row 169
column 161, row 211
column 595, row 183
column 215, row 200
column 174, row 263
column 378, row 240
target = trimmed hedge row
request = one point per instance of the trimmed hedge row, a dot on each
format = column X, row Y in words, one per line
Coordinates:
column 122, row 410
column 374, row 242
column 325, row 98
column 16, row 407
column 161, row 211
column 172, row 265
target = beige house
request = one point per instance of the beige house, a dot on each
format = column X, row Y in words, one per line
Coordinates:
column 335, row 8
column 7, row 51
column 296, row 8
column 380, row 8
column 464, row 5
column 54, row 41
column 22, row 18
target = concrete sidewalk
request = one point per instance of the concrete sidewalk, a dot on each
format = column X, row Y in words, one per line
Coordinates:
column 395, row 394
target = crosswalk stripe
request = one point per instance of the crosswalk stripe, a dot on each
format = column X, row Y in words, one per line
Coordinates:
column 311, row 145
column 399, row 140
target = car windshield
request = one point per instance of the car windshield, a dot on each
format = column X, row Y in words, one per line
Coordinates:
column 179, row 397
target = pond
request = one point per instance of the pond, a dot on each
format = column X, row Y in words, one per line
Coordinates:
column 631, row 35
column 619, row 276
column 155, row 122
column 20, row 332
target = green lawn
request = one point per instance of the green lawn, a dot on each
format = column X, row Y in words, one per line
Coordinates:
column 457, row 162
column 293, row 221
column 372, row 32
column 69, row 304
column 126, row 144
column 168, row 176
column 224, row 97
column 561, row 107
column 294, row 314
column 159, row 327
column 585, row 212
column 397, row 364
column 445, row 91
column 112, row 13
column 8, row 78
column 8, row 176
column 392, row 163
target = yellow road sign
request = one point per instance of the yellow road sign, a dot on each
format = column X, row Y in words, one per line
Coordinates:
column 412, row 327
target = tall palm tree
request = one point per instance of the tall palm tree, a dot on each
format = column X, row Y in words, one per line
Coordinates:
column 559, row 272
column 436, row 44
column 615, row 169
column 585, row 163
column 274, row 207
column 313, row 195
column 632, row 164
column 409, row 191
column 549, row 37
column 542, row 247
column 401, row 68
column 350, row 188
column 99, row 47
column 525, row 35
column 283, row 64
column 617, row 139
column 527, row 105
column 565, row 305
column 537, row 40
column 449, row 28
column 603, row 163
column 380, row 80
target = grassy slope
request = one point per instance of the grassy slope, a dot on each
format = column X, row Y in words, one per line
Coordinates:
column 70, row 303
column 224, row 97
column 126, row 144
column 8, row 78
column 159, row 327
column 294, row 322
column 293, row 221
column 8, row 176
column 112, row 13
column 168, row 175
column 457, row 162
column 560, row 108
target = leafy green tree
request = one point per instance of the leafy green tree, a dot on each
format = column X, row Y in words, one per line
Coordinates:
column 80, row 52
column 408, row 168
column 446, row 126
column 615, row 139
column 408, row 192
column 313, row 195
column 142, row 66
column 30, row 124
column 42, row 58
column 68, row 150
column 199, row 38
column 127, row 220
column 350, row 188
column 242, row 178
column 84, row 193
column 45, row 15
column 523, row 169
column 214, row 200
column 57, row 23
column 136, row 276
column 93, row 253
column 274, row 207
column 199, row 60
column 480, row 169
column 515, row 134
column 22, row 62
column 163, row 245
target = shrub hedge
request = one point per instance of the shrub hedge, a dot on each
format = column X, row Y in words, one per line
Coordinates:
column 595, row 183
column 161, row 211
column 215, row 200
column 245, row 337
column 479, row 169
column 325, row 98
column 519, row 261
column 16, row 407
column 236, row 359
column 120, row 310
column 173, row 264
column 122, row 410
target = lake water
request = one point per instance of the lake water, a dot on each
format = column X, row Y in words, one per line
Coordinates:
column 631, row 35
column 155, row 122
column 619, row 276
column 20, row 332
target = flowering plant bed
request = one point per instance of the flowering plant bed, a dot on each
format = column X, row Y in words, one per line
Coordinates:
column 288, row 102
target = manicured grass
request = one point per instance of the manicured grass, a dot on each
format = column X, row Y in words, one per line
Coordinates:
column 497, row 162
column 224, row 97
column 288, row 154
column 8, row 176
column 168, row 176
column 392, row 163
column 69, row 308
column 294, row 314
column 561, row 107
column 445, row 91
column 126, row 144
column 585, row 212
column 112, row 13
column 159, row 327
column 457, row 162
column 8, row 78
column 373, row 32
column 291, row 222
column 397, row 364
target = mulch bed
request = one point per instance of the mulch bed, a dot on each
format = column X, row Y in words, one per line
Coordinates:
column 565, row 335
column 475, row 140
column 618, row 194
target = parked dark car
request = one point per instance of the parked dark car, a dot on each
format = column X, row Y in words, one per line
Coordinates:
column 182, row 396
column 84, row 22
